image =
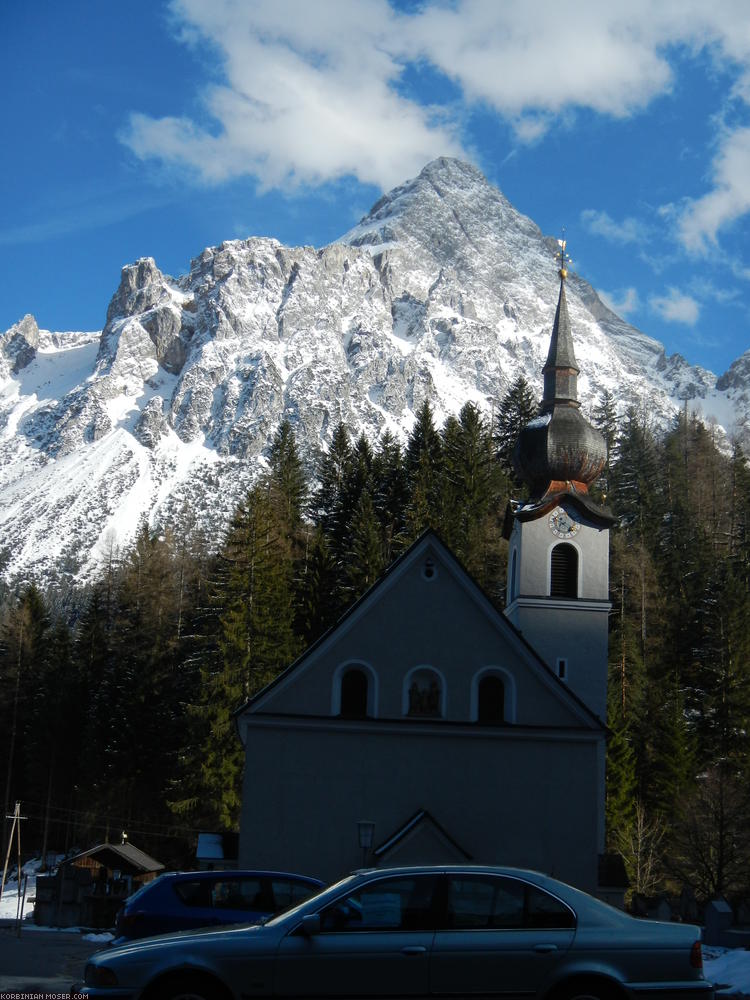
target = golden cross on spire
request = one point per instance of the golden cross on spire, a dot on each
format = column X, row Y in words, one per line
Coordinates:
column 562, row 256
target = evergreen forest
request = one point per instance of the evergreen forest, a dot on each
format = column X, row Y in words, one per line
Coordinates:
column 117, row 702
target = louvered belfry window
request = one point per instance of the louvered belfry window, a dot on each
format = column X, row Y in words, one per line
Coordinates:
column 564, row 571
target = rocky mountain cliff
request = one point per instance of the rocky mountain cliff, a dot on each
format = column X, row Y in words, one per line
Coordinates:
column 444, row 291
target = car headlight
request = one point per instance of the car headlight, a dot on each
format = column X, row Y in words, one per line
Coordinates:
column 99, row 975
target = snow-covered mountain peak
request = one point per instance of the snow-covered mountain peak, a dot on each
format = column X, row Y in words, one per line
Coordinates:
column 442, row 292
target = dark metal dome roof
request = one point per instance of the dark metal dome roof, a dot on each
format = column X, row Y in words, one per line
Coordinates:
column 560, row 446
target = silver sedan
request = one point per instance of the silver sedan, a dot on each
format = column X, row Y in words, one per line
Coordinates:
column 419, row 932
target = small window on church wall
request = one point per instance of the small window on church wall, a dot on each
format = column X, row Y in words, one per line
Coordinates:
column 491, row 703
column 564, row 571
column 425, row 695
column 354, row 694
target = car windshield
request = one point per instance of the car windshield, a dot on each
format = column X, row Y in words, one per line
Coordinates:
column 322, row 896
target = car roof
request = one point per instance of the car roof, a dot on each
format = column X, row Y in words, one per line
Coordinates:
column 240, row 872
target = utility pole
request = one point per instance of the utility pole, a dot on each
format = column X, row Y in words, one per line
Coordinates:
column 15, row 828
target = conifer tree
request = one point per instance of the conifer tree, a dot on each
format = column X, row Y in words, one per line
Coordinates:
column 635, row 477
column 322, row 593
column 423, row 461
column 622, row 782
column 255, row 640
column 366, row 561
column 517, row 407
column 288, row 475
column 474, row 491
column 327, row 503
column 604, row 418
column 390, row 487
column 22, row 651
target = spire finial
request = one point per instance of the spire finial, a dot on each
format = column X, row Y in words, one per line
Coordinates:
column 562, row 256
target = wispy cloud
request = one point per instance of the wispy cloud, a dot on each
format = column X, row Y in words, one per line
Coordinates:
column 630, row 230
column 79, row 218
column 624, row 301
column 676, row 307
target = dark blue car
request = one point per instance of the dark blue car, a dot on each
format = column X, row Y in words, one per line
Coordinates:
column 183, row 900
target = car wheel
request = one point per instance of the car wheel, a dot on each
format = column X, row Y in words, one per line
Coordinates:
column 186, row 987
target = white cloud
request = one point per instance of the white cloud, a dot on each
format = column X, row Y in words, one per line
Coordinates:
column 310, row 92
column 624, row 301
column 630, row 230
column 308, row 97
column 702, row 219
column 676, row 307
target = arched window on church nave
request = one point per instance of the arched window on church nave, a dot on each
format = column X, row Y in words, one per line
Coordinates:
column 564, row 571
column 493, row 697
column 491, row 701
column 354, row 694
column 424, row 694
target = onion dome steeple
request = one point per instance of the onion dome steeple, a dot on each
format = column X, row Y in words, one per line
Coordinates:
column 559, row 451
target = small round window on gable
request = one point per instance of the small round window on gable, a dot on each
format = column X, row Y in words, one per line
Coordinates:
column 429, row 570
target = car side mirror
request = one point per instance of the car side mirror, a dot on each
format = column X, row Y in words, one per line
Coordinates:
column 311, row 924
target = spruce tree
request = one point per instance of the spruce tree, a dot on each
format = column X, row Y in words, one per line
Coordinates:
column 366, row 561
column 255, row 640
column 517, row 407
column 288, row 476
column 390, row 486
column 423, row 467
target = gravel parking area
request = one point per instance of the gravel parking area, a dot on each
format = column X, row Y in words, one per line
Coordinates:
column 43, row 963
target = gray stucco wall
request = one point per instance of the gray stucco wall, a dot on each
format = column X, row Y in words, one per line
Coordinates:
column 421, row 622
column 529, row 793
column 576, row 630
column 508, row 797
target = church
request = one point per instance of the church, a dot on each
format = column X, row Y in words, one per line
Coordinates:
column 428, row 727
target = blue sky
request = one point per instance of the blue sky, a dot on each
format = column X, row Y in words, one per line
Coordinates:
column 156, row 129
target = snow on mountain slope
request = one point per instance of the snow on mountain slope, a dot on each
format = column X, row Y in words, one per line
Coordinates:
column 444, row 291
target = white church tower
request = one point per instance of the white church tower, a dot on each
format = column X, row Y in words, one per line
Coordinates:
column 558, row 556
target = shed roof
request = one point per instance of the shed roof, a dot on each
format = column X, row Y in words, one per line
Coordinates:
column 126, row 857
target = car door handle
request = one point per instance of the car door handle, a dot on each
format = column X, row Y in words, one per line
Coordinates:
column 413, row 949
column 544, row 949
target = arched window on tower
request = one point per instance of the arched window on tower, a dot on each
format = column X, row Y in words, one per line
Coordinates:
column 354, row 694
column 491, row 701
column 564, row 571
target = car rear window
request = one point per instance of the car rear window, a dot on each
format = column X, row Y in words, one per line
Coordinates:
column 240, row 894
column 194, row 893
column 487, row 902
column 543, row 910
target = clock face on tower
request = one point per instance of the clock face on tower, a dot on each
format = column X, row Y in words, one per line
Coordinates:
column 562, row 524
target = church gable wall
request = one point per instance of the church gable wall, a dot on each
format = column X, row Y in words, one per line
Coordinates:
column 421, row 622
